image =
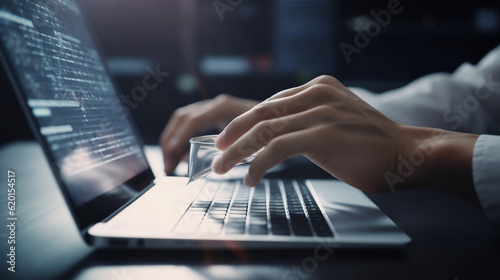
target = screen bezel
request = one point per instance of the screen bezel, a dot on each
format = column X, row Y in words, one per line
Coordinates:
column 105, row 205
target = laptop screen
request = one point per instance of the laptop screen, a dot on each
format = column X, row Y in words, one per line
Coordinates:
column 92, row 146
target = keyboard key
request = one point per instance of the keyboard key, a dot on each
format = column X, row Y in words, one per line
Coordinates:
column 257, row 229
column 235, row 230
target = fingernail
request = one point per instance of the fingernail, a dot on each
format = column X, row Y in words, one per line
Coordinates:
column 248, row 180
column 217, row 164
column 219, row 140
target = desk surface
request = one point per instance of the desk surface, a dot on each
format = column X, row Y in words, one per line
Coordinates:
column 451, row 240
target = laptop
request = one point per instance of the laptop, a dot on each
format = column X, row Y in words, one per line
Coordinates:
column 98, row 158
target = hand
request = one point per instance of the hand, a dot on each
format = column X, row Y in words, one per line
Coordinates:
column 196, row 118
column 338, row 131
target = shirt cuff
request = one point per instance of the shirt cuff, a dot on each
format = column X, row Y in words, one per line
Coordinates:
column 486, row 173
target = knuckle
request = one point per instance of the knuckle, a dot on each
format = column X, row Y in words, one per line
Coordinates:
column 323, row 109
column 235, row 122
column 261, row 108
column 262, row 125
column 179, row 112
column 232, row 124
column 326, row 129
column 223, row 98
column 320, row 92
column 326, row 79
column 263, row 132
column 319, row 88
column 324, row 112
column 325, row 93
column 277, row 145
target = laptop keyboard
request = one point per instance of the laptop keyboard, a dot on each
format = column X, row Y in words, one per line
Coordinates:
column 276, row 207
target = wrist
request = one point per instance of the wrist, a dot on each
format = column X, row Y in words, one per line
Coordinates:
column 436, row 158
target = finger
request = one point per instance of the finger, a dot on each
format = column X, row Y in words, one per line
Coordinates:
column 279, row 149
column 166, row 135
column 261, row 134
column 169, row 145
column 327, row 80
column 312, row 96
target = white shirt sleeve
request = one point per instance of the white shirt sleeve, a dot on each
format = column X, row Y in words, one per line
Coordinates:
column 486, row 173
column 467, row 101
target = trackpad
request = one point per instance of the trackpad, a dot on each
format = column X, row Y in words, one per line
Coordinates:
column 350, row 211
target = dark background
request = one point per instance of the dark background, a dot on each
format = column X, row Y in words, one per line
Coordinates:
column 261, row 47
